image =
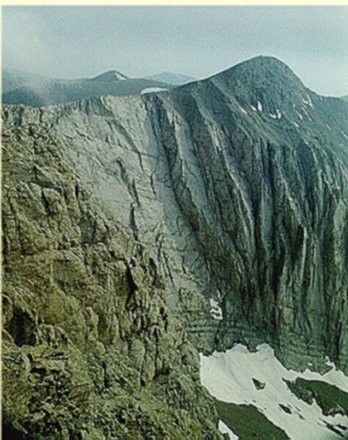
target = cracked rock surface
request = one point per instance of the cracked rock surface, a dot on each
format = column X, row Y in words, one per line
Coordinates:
column 238, row 186
column 90, row 348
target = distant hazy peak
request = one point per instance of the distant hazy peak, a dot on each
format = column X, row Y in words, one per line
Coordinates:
column 172, row 78
column 109, row 76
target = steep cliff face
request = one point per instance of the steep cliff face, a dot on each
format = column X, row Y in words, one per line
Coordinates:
column 238, row 184
column 271, row 157
column 90, row 349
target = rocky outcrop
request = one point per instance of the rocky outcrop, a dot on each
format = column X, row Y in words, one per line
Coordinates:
column 238, row 185
column 90, row 349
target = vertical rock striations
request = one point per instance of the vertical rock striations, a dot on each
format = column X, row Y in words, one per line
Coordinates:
column 272, row 219
column 238, row 185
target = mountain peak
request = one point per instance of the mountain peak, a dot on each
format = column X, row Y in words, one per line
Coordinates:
column 260, row 70
column 109, row 76
column 263, row 60
column 263, row 81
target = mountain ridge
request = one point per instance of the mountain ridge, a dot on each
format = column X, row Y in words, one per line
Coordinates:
column 239, row 190
column 172, row 78
column 179, row 121
column 38, row 91
column 253, row 71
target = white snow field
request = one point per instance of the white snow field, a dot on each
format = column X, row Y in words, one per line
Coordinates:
column 152, row 90
column 226, row 430
column 228, row 377
column 215, row 311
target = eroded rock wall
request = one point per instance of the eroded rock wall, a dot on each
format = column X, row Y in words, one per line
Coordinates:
column 90, row 348
column 238, row 185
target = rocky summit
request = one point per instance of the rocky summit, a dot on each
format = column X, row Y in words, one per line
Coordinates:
column 140, row 230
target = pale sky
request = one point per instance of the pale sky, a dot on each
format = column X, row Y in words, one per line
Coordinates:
column 75, row 41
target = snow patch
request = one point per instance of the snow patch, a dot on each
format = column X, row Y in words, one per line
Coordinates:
column 329, row 363
column 278, row 114
column 226, row 430
column 304, row 109
column 300, row 116
column 215, row 311
column 228, row 377
column 307, row 101
column 152, row 90
column 243, row 110
column 119, row 77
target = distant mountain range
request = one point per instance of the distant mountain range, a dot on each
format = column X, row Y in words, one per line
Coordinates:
column 174, row 79
column 35, row 90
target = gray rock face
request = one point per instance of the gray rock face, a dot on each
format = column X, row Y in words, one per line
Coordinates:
column 89, row 349
column 238, row 184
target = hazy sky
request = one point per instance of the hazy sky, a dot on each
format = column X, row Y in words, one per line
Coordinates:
column 73, row 42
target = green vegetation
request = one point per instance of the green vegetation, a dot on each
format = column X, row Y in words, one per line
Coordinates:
column 247, row 422
column 331, row 399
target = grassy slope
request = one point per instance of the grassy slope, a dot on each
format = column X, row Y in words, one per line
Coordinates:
column 247, row 422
